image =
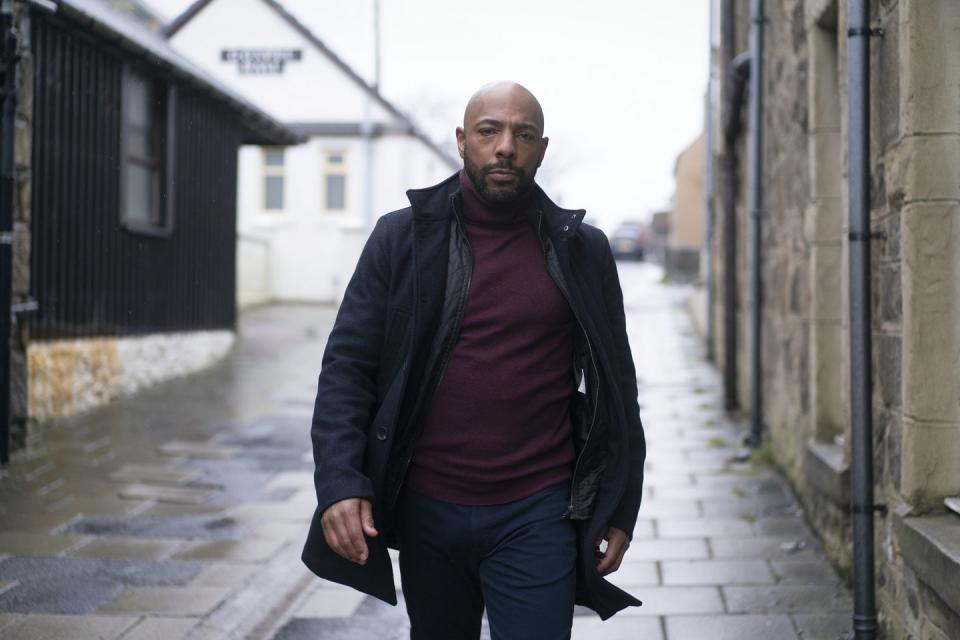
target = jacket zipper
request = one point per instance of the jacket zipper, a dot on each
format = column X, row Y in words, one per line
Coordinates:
column 593, row 417
column 448, row 351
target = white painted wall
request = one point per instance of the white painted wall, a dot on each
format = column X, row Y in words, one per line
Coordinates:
column 304, row 253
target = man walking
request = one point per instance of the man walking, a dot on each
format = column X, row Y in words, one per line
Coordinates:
column 477, row 403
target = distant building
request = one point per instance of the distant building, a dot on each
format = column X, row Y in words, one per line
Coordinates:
column 305, row 212
column 685, row 241
column 124, row 206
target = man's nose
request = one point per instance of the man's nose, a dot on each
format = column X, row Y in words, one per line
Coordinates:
column 505, row 145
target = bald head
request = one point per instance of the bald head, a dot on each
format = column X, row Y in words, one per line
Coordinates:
column 504, row 94
column 501, row 141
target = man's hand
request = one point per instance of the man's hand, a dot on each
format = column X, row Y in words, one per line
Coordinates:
column 344, row 525
column 609, row 560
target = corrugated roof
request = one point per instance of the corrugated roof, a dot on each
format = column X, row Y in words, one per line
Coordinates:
column 180, row 21
column 103, row 20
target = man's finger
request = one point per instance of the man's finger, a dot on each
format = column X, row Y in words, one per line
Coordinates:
column 616, row 548
column 366, row 518
column 358, row 546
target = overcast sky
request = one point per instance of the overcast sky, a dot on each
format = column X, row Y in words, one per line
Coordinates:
column 621, row 82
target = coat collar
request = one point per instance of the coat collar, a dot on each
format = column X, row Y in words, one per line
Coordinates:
column 433, row 204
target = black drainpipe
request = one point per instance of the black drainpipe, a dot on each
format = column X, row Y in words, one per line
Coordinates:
column 731, row 100
column 8, row 71
column 861, row 374
column 756, row 216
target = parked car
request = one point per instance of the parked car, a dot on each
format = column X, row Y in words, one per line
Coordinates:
column 628, row 241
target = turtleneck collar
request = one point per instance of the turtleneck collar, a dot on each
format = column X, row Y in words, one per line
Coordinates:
column 479, row 211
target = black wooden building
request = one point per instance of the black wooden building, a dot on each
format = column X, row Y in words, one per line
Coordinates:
column 132, row 182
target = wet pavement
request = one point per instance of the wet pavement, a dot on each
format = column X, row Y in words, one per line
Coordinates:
column 180, row 512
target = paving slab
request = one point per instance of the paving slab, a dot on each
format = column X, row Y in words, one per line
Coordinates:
column 634, row 573
column 126, row 548
column 763, row 547
column 249, row 550
column 37, row 544
column 703, row 527
column 781, row 598
column 617, row 628
column 160, row 473
column 669, row 549
column 164, row 493
column 730, row 627
column 197, row 449
column 223, row 574
column 154, row 628
column 64, row 627
column 330, row 603
column 824, row 626
column 166, row 601
column 718, row 572
column 661, row 601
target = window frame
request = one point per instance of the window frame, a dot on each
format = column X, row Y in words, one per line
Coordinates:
column 271, row 170
column 166, row 146
column 334, row 169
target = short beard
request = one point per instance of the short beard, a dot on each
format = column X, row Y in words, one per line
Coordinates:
column 501, row 196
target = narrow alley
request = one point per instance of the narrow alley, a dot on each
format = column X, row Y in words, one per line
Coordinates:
column 180, row 512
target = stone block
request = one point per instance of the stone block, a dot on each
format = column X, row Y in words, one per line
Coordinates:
column 21, row 259
column 887, row 298
column 931, row 297
column 827, row 265
column 925, row 167
column 827, row 471
column 887, row 80
column 931, row 77
column 887, row 365
column 826, row 165
column 930, row 466
column 931, row 547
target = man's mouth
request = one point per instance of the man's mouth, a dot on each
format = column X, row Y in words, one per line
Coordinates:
column 502, row 174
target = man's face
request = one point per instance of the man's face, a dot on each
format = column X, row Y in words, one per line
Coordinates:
column 502, row 145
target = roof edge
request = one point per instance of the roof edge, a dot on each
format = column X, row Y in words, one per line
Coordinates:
column 199, row 5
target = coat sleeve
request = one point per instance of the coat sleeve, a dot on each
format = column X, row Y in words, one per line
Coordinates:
column 625, row 514
column 347, row 386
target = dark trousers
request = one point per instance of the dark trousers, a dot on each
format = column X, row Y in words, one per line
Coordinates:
column 517, row 559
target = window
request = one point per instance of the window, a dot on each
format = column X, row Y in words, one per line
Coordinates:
column 145, row 191
column 335, row 181
column 273, row 179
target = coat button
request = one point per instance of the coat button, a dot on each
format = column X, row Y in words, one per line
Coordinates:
column 381, row 434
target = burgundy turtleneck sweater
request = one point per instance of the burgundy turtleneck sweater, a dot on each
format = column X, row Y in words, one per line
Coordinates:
column 498, row 427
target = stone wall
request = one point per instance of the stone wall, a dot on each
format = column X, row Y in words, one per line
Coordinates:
column 915, row 280
column 22, row 151
column 68, row 376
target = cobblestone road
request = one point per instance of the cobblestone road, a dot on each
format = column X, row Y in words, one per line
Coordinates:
column 180, row 512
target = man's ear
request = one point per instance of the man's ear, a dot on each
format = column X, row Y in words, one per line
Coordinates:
column 543, row 150
column 461, row 139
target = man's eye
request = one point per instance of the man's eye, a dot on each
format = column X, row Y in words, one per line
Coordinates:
column 487, row 132
column 526, row 137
